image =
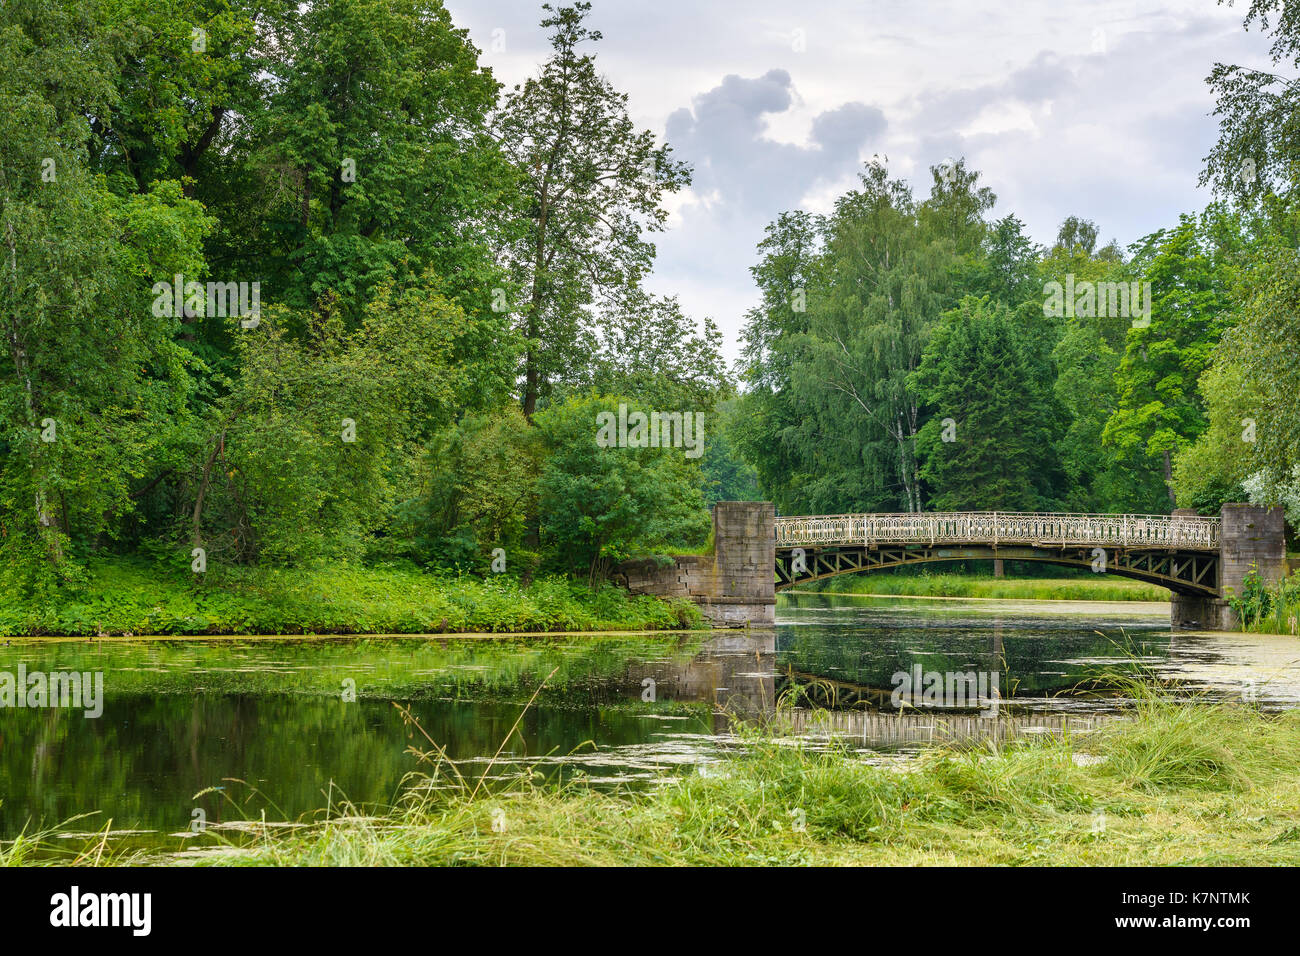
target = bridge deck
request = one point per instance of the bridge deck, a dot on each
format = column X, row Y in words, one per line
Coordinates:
column 1039, row 529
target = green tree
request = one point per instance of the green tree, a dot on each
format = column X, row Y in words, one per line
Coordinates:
column 765, row 426
column 1190, row 271
column 315, row 443
column 599, row 504
column 371, row 159
column 593, row 186
column 728, row 476
column 1210, row 470
column 1257, row 152
column 649, row 349
column 1007, row 270
column 1086, row 350
column 1252, row 388
column 828, row 421
column 888, row 273
column 90, row 382
column 478, row 486
column 187, row 74
column 989, row 443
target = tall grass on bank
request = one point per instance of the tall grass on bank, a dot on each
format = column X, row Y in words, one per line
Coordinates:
column 129, row 596
column 1092, row 588
column 1175, row 783
column 1170, row 783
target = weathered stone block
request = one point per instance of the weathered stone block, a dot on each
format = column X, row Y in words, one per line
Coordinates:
column 735, row 586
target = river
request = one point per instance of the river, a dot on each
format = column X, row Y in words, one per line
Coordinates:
column 220, row 731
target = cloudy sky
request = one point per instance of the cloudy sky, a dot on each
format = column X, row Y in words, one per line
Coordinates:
column 1097, row 109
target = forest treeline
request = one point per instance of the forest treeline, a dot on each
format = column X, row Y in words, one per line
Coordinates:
column 292, row 282
column 916, row 355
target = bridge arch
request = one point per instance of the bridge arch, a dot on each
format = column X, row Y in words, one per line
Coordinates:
column 1191, row 573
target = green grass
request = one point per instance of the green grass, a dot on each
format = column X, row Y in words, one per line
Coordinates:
column 1174, row 783
column 1270, row 610
column 131, row 596
column 1090, row 588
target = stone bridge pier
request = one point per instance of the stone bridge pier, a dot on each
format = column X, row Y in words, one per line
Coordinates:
column 1250, row 536
column 735, row 586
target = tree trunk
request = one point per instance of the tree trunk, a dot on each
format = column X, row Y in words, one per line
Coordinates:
column 1169, row 480
column 46, row 526
column 196, row 533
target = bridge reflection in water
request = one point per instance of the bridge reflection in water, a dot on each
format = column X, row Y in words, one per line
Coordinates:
column 840, row 678
column 886, row 731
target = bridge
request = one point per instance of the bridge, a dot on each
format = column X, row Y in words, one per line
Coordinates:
column 1178, row 552
column 1201, row 560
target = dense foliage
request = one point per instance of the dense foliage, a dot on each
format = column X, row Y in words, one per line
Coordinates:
column 293, row 283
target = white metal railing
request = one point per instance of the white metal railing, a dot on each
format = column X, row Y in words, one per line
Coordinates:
column 1002, row 527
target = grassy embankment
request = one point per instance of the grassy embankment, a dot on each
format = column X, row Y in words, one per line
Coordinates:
column 142, row 598
column 1174, row 784
column 1093, row 587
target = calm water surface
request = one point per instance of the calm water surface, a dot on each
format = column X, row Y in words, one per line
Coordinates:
column 288, row 727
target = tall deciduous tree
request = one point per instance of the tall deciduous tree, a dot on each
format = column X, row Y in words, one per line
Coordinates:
column 1086, row 351
column 188, row 74
column 1252, row 390
column 765, row 424
column 1257, row 151
column 371, row 159
column 1159, row 409
column 593, row 185
column 890, row 270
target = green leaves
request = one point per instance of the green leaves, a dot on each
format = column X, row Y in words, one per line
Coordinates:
column 91, row 383
column 848, row 304
column 592, row 187
column 602, row 504
column 311, row 448
column 1159, row 409
column 993, row 446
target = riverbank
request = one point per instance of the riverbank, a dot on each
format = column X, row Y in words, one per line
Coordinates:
column 1192, row 784
column 126, row 597
column 1091, row 588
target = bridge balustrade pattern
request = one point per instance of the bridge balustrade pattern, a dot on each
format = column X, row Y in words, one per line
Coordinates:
column 1040, row 529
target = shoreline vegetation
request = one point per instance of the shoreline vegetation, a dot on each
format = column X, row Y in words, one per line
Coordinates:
column 126, row 597
column 967, row 585
column 137, row 597
column 1269, row 609
column 1190, row 783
